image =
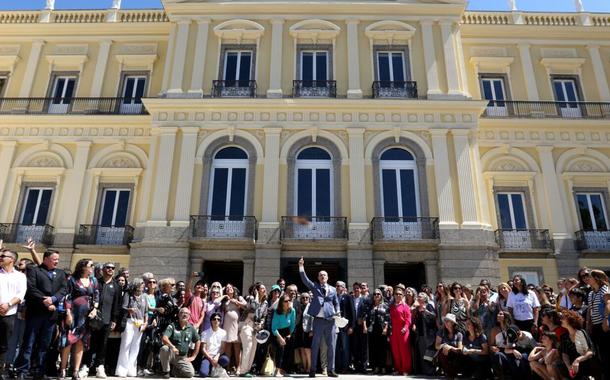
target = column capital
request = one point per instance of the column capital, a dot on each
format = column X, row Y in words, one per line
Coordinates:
column 277, row 21
column 461, row 132
column 189, row 130
column 438, row 132
column 83, row 144
column 182, row 20
column 593, row 46
column 272, row 131
column 8, row 143
column 166, row 130
column 545, row 148
column 355, row 131
column 202, row 20
column 523, row 45
column 351, row 21
column 447, row 22
column 427, row 22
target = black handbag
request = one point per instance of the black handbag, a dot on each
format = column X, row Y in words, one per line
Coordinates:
column 96, row 323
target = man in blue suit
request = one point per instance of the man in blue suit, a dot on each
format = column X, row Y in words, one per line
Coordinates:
column 323, row 307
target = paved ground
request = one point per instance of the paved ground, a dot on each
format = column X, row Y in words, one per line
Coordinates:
column 350, row 377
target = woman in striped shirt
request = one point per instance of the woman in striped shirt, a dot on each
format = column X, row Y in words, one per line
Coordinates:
column 598, row 311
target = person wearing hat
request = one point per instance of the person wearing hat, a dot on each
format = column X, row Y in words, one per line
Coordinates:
column 324, row 306
column 449, row 346
column 511, row 353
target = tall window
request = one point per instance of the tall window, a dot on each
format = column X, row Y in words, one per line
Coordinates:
column 115, row 204
column 238, row 67
column 62, row 91
column 566, row 94
column 313, row 183
column 3, row 82
column 391, row 66
column 228, row 184
column 592, row 211
column 314, row 66
column 512, row 211
column 36, row 205
column 134, row 87
column 493, row 89
column 399, row 194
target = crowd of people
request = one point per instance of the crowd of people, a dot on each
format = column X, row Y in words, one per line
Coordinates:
column 57, row 323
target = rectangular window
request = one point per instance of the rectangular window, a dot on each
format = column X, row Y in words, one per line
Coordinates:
column 62, row 91
column 314, row 66
column 566, row 95
column 115, row 205
column 133, row 89
column 238, row 67
column 512, row 211
column 592, row 211
column 391, row 66
column 36, row 205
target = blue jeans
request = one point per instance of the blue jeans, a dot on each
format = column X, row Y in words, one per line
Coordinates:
column 206, row 366
column 37, row 328
column 342, row 354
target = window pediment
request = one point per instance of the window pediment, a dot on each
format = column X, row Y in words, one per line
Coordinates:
column 9, row 56
column 492, row 64
column 314, row 30
column 389, row 32
column 239, row 30
column 573, row 65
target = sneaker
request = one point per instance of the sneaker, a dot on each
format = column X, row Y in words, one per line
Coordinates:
column 148, row 372
column 166, row 375
column 83, row 372
column 100, row 372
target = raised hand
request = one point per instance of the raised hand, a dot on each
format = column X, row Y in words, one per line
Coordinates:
column 301, row 262
column 30, row 245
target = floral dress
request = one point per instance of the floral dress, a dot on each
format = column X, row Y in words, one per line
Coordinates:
column 79, row 301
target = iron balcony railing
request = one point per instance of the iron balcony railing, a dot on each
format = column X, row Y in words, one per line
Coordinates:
column 20, row 233
column 393, row 228
column 596, row 240
column 524, row 239
column 72, row 106
column 95, row 234
column 223, row 227
column 313, row 227
column 497, row 109
column 314, row 88
column 395, row 89
column 234, row 88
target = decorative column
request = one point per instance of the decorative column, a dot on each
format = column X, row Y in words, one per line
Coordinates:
column 353, row 60
column 163, row 176
column 451, row 60
column 32, row 65
column 356, row 176
column 528, row 72
column 430, row 59
column 442, row 174
column 461, row 62
column 275, row 68
column 480, row 184
column 201, row 45
column 7, row 152
column 100, row 68
column 463, row 158
column 552, row 193
column 600, row 74
column 168, row 58
column 186, row 172
column 175, row 84
column 147, row 181
column 271, row 175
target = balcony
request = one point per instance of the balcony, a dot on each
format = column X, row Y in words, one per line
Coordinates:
column 93, row 234
column 223, row 227
column 546, row 110
column 518, row 240
column 313, row 228
column 593, row 240
column 234, row 89
column 314, row 88
column 390, row 89
column 398, row 229
column 72, row 106
column 20, row 233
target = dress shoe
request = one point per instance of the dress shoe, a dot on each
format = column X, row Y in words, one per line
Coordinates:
column 312, row 374
column 332, row 374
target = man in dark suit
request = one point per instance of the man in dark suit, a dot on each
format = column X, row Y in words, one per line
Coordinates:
column 347, row 311
column 46, row 290
column 324, row 307
column 358, row 340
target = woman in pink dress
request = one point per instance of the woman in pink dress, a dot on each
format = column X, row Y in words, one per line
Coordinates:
column 400, row 314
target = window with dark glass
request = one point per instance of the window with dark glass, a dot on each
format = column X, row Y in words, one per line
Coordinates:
column 493, row 90
column 391, row 66
column 115, row 204
column 37, row 203
column 134, row 87
column 228, row 184
column 592, row 211
column 512, row 211
column 399, row 195
column 314, row 66
column 63, row 89
column 238, row 65
column 313, row 183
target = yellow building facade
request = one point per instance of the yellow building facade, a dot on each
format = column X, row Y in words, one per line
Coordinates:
column 385, row 141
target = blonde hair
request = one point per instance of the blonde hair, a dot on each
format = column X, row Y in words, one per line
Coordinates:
column 166, row 281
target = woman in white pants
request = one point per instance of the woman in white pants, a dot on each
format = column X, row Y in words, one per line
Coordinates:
column 135, row 305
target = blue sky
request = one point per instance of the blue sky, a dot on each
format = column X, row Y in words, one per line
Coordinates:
column 539, row 5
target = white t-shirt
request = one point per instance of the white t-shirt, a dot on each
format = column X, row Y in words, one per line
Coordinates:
column 12, row 284
column 213, row 340
column 523, row 305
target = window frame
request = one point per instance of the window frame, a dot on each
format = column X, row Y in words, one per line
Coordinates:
column 115, row 208
column 22, row 209
column 126, row 75
column 228, row 163
column 226, row 48
column 397, row 166
column 4, row 76
column 505, row 87
column 588, row 193
column 100, row 199
column 62, row 74
column 315, row 49
column 530, row 215
column 314, row 165
column 406, row 60
column 577, row 87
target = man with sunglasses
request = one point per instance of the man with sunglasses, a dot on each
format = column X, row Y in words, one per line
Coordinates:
column 109, row 307
column 177, row 340
column 324, row 307
column 213, row 347
column 13, row 285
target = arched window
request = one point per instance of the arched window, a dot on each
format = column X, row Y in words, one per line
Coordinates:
column 228, row 184
column 399, row 187
column 313, row 187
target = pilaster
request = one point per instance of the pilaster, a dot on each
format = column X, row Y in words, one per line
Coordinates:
column 32, row 65
column 271, row 173
column 186, row 173
column 465, row 175
column 528, row 71
column 451, row 60
column 442, row 174
column 163, row 176
column 203, row 27
column 100, row 68
column 430, row 59
column 7, row 153
column 600, row 75
column 177, row 76
column 168, row 58
column 275, row 68
column 353, row 59
column 552, row 192
column 356, row 175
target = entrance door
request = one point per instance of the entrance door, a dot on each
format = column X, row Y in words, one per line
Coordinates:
column 225, row 272
column 336, row 269
column 410, row 274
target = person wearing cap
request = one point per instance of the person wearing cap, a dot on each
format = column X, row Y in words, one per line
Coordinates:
column 213, row 347
column 449, row 346
column 511, row 353
column 324, row 306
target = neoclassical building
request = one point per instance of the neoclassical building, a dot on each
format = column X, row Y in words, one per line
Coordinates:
column 385, row 141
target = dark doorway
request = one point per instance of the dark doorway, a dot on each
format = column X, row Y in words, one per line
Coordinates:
column 411, row 274
column 225, row 272
column 336, row 270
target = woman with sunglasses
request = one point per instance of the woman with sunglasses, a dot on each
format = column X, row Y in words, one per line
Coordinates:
column 304, row 334
column 282, row 328
column 599, row 310
column 145, row 356
column 400, row 342
column 212, row 304
column 458, row 305
column 377, row 319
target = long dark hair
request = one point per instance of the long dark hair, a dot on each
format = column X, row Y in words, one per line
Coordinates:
column 80, row 268
column 524, row 289
column 281, row 307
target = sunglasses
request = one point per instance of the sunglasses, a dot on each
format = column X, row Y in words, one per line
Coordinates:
column 152, row 282
column 457, row 288
column 109, row 268
column 378, row 294
column 399, row 294
column 3, row 256
column 216, row 319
